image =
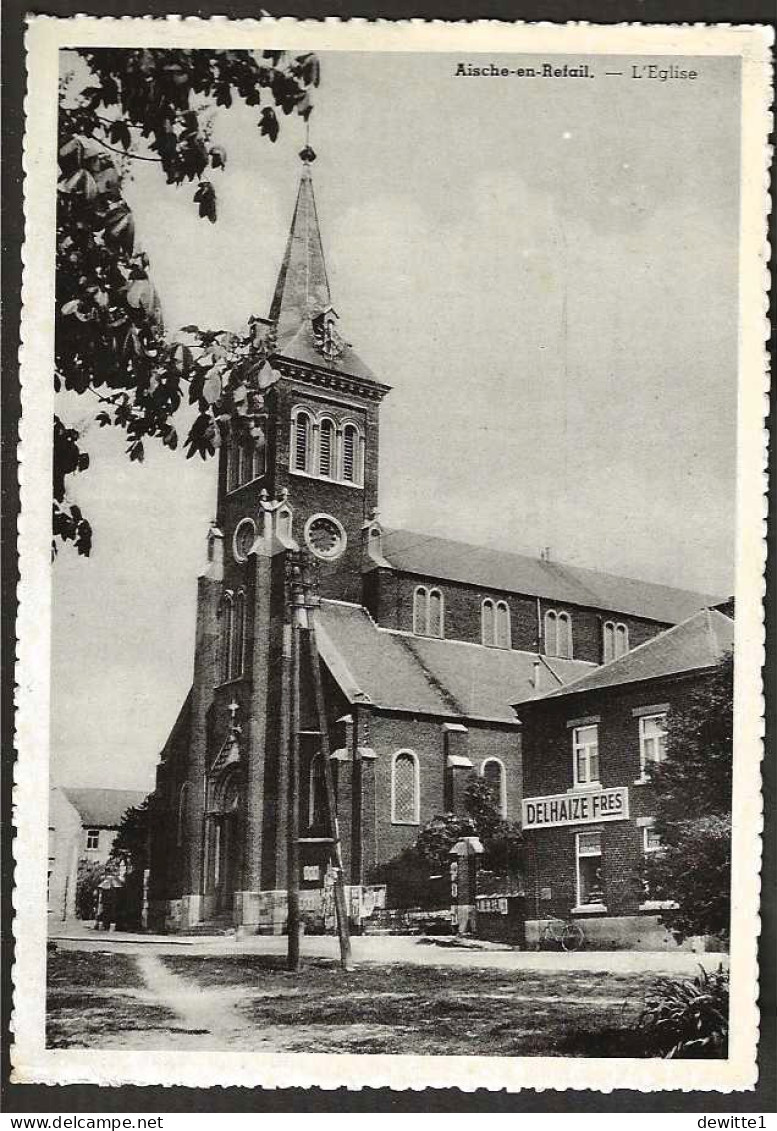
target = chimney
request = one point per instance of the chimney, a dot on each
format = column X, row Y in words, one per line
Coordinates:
column 545, row 553
column 536, row 675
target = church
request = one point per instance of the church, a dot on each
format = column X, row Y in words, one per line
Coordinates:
column 427, row 647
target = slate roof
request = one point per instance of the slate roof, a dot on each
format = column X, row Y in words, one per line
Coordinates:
column 697, row 643
column 398, row 671
column 501, row 570
column 103, row 808
column 302, row 290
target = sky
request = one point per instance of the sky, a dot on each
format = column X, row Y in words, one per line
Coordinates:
column 545, row 271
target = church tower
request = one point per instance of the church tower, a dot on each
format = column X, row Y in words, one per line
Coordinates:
column 301, row 472
column 317, row 444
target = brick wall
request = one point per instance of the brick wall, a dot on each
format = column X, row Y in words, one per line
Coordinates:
column 547, row 743
column 389, row 733
column 389, row 596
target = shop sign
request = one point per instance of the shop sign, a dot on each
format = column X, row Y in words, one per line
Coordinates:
column 576, row 808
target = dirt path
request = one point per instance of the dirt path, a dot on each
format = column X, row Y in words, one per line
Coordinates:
column 205, row 1019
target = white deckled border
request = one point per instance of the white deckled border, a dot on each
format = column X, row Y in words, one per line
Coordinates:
column 31, row 1060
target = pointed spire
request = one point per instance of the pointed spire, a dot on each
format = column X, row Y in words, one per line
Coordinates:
column 302, row 290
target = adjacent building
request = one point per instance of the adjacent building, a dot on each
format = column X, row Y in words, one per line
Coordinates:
column 588, row 805
column 83, row 824
column 425, row 643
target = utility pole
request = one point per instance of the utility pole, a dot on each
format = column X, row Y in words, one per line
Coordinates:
column 302, row 602
column 296, row 598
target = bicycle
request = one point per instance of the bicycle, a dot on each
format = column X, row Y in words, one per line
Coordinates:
column 561, row 934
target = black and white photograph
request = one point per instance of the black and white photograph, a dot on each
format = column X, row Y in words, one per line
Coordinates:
column 405, row 556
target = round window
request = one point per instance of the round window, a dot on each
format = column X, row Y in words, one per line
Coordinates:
column 325, row 536
column 245, row 536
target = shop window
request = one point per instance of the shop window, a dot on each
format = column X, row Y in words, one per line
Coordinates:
column 92, row 839
column 493, row 773
column 558, row 634
column 590, row 888
column 652, row 740
column 405, row 793
column 585, row 755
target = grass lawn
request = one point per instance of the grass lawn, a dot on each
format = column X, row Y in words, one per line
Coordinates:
column 94, row 994
column 428, row 1010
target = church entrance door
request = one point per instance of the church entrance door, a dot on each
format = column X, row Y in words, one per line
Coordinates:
column 225, row 864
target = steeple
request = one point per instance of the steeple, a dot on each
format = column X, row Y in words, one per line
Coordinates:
column 302, row 290
column 302, row 307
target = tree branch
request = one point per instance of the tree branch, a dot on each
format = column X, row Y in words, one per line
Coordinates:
column 126, row 153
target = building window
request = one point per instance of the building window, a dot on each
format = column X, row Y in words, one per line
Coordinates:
column 651, row 841
column 246, row 457
column 300, row 446
column 615, row 641
column 652, row 740
column 435, row 613
column 585, row 755
column 92, row 838
column 326, row 449
column 493, row 773
column 590, row 889
column 239, row 636
column 350, row 454
column 558, row 634
column 428, row 612
column 226, row 613
column 495, row 623
column 405, row 793
column 183, row 798
column 317, row 806
column 321, row 447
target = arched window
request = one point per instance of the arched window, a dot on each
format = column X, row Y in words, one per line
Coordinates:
column 300, row 445
column 487, row 622
column 350, row 454
column 239, row 635
column 420, row 604
column 551, row 634
column 183, row 801
column 405, row 792
column 493, row 773
column 558, row 634
column 259, row 448
column 317, row 806
column 608, row 642
column 621, row 640
column 227, row 615
column 564, row 627
column 503, row 639
column 326, row 448
column 435, row 617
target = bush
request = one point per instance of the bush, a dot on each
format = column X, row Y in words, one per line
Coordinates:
column 687, row 1017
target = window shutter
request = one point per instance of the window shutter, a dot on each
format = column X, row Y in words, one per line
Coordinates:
column 302, row 441
column 325, row 447
column 349, row 454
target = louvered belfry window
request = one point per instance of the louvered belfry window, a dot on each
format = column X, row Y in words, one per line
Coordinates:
column 326, row 445
column 435, row 613
column 349, row 453
column 301, row 441
column 405, row 789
